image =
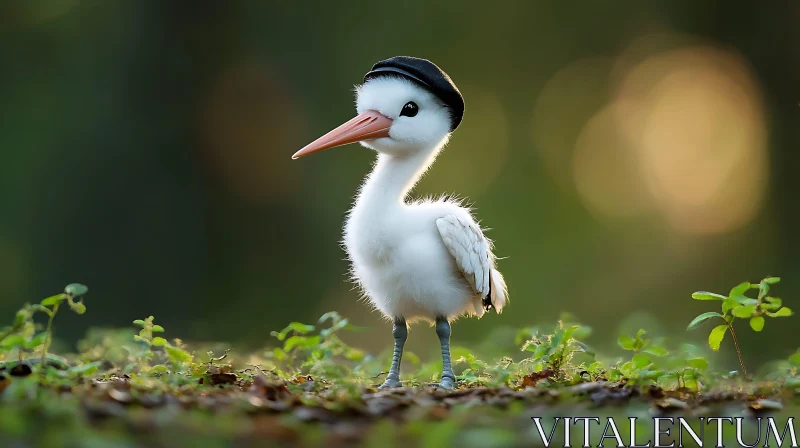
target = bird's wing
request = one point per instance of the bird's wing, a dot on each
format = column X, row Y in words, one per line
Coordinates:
column 466, row 243
column 472, row 252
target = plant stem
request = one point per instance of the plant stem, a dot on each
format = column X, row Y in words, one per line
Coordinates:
column 49, row 338
column 738, row 350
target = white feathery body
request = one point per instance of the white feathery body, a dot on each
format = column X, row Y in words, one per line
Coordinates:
column 424, row 259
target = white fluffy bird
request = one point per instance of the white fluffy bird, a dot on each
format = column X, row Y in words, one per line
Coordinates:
column 423, row 260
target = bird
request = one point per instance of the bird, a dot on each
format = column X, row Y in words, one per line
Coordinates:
column 413, row 259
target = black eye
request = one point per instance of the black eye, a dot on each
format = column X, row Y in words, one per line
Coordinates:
column 409, row 110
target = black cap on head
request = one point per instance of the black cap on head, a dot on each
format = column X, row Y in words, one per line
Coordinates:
column 429, row 76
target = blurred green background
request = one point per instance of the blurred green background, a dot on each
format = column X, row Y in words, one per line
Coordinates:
column 625, row 154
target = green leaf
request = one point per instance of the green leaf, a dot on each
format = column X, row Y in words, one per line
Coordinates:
column 76, row 289
column 278, row 353
column 139, row 322
column 177, row 355
column 651, row 375
column 783, row 312
column 556, row 339
column 157, row 329
column 795, row 358
column 301, row 341
column 640, row 360
column 697, row 363
column 36, row 341
column 702, row 318
column 715, row 338
column 744, row 311
column 772, row 280
column 626, row 342
column 703, row 295
column 740, row 289
column 13, row 340
column 159, row 341
column 744, row 300
column 21, row 317
column 757, row 323
column 628, row 368
column 728, row 304
column 690, row 374
column 297, row 327
column 84, row 369
column 656, row 350
column 52, row 300
column 771, row 304
column 159, row 369
column 539, row 351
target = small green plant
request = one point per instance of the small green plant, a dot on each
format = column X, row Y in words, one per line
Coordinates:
column 482, row 373
column 641, row 368
column 22, row 336
column 175, row 352
column 792, row 381
column 555, row 351
column 685, row 367
column 71, row 292
column 313, row 350
column 737, row 305
column 653, row 364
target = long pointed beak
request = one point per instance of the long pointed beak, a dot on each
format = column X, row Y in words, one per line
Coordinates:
column 365, row 126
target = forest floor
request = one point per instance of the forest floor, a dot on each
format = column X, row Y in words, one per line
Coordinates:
column 134, row 388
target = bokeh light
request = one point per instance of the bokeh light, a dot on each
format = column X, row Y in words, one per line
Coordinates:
column 606, row 169
column 674, row 126
column 701, row 137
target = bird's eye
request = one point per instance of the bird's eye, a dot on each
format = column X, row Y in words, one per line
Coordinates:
column 409, row 110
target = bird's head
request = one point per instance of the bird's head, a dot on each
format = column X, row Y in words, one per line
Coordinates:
column 404, row 106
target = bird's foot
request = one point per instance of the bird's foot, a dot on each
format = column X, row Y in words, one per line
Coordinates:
column 390, row 382
column 446, row 383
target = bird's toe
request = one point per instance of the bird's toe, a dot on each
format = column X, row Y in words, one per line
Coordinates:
column 390, row 382
column 446, row 383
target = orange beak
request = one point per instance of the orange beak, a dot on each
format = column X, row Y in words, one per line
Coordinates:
column 366, row 126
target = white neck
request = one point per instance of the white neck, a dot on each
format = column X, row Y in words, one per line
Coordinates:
column 392, row 179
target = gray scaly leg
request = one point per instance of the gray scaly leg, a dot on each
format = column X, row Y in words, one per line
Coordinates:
column 400, row 333
column 443, row 331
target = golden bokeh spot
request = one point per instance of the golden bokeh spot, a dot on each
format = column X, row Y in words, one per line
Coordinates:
column 606, row 169
column 696, row 119
column 683, row 135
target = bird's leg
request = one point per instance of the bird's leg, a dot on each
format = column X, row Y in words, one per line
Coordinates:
column 443, row 331
column 400, row 333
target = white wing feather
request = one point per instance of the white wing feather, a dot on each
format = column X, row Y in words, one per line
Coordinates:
column 472, row 253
